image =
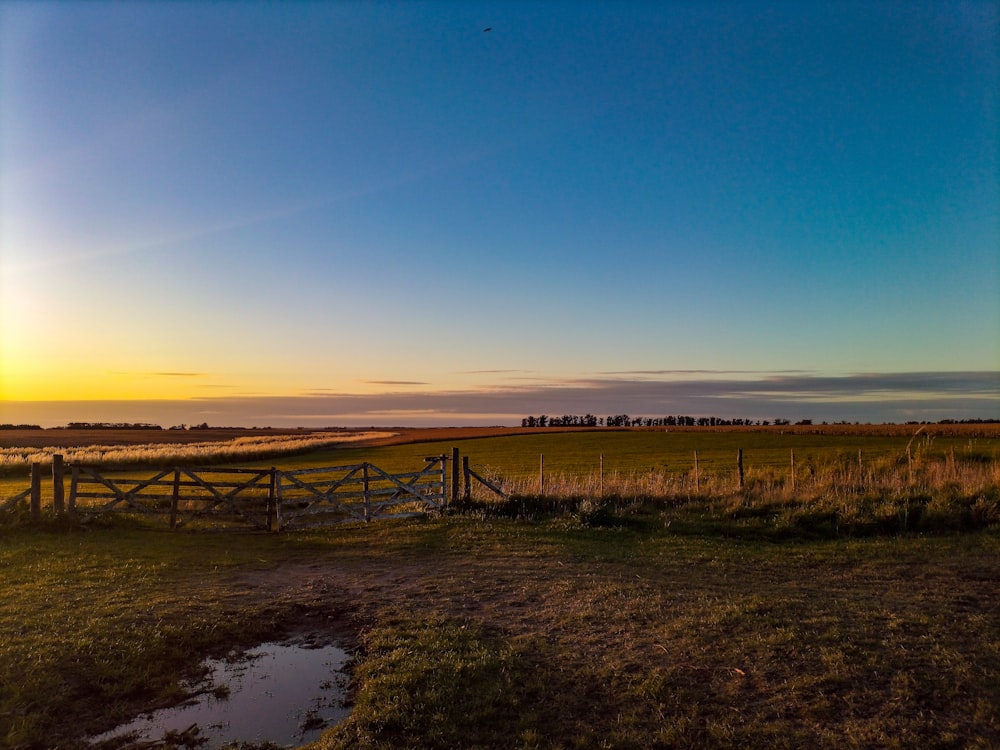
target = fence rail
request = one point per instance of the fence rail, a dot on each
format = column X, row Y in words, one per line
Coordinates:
column 495, row 486
column 11, row 504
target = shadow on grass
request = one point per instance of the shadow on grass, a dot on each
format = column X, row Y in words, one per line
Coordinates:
column 436, row 682
column 743, row 517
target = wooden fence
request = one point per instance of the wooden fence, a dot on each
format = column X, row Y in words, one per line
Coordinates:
column 266, row 499
column 12, row 504
column 178, row 496
column 469, row 474
column 358, row 492
column 33, row 495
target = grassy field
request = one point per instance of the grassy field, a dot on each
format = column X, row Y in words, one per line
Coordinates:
column 499, row 633
column 847, row 478
column 860, row 480
column 759, row 618
column 579, row 452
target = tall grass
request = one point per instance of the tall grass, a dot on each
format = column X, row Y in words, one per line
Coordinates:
column 833, row 495
column 17, row 459
column 836, row 475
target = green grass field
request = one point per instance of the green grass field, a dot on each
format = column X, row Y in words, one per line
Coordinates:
column 648, row 450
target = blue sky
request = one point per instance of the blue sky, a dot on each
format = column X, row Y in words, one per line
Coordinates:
column 379, row 213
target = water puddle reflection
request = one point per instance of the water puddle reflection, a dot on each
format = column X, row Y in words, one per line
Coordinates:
column 282, row 693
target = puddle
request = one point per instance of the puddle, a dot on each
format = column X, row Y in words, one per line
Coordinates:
column 282, row 693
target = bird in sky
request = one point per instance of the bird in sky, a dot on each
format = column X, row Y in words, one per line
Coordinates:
column 488, row 28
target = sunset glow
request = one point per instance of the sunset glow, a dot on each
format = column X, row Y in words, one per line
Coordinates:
column 355, row 213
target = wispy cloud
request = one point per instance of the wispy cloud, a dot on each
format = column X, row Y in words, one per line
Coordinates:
column 491, row 372
column 863, row 397
column 687, row 373
column 395, row 382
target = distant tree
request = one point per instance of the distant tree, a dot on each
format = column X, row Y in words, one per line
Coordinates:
column 112, row 426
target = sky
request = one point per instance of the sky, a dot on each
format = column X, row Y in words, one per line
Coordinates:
column 447, row 213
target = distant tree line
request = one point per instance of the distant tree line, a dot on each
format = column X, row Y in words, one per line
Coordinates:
column 110, row 426
column 969, row 421
column 624, row 420
column 20, row 427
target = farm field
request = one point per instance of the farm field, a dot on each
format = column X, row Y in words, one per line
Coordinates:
column 864, row 475
column 642, row 450
column 836, row 615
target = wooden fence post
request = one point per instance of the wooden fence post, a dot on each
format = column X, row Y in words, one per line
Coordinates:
column 366, row 493
column 739, row 465
column 697, row 475
column 36, row 491
column 454, row 475
column 274, row 491
column 602, row 475
column 273, row 503
column 175, row 497
column 541, row 474
column 74, row 479
column 467, row 476
column 793, row 469
column 58, row 489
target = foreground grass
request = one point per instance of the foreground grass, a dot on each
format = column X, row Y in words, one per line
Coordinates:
column 97, row 623
column 496, row 633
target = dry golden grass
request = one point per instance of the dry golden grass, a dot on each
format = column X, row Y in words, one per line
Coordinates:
column 247, row 447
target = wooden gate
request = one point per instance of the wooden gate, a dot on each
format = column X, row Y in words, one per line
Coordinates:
column 358, row 492
column 244, row 497
column 266, row 499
